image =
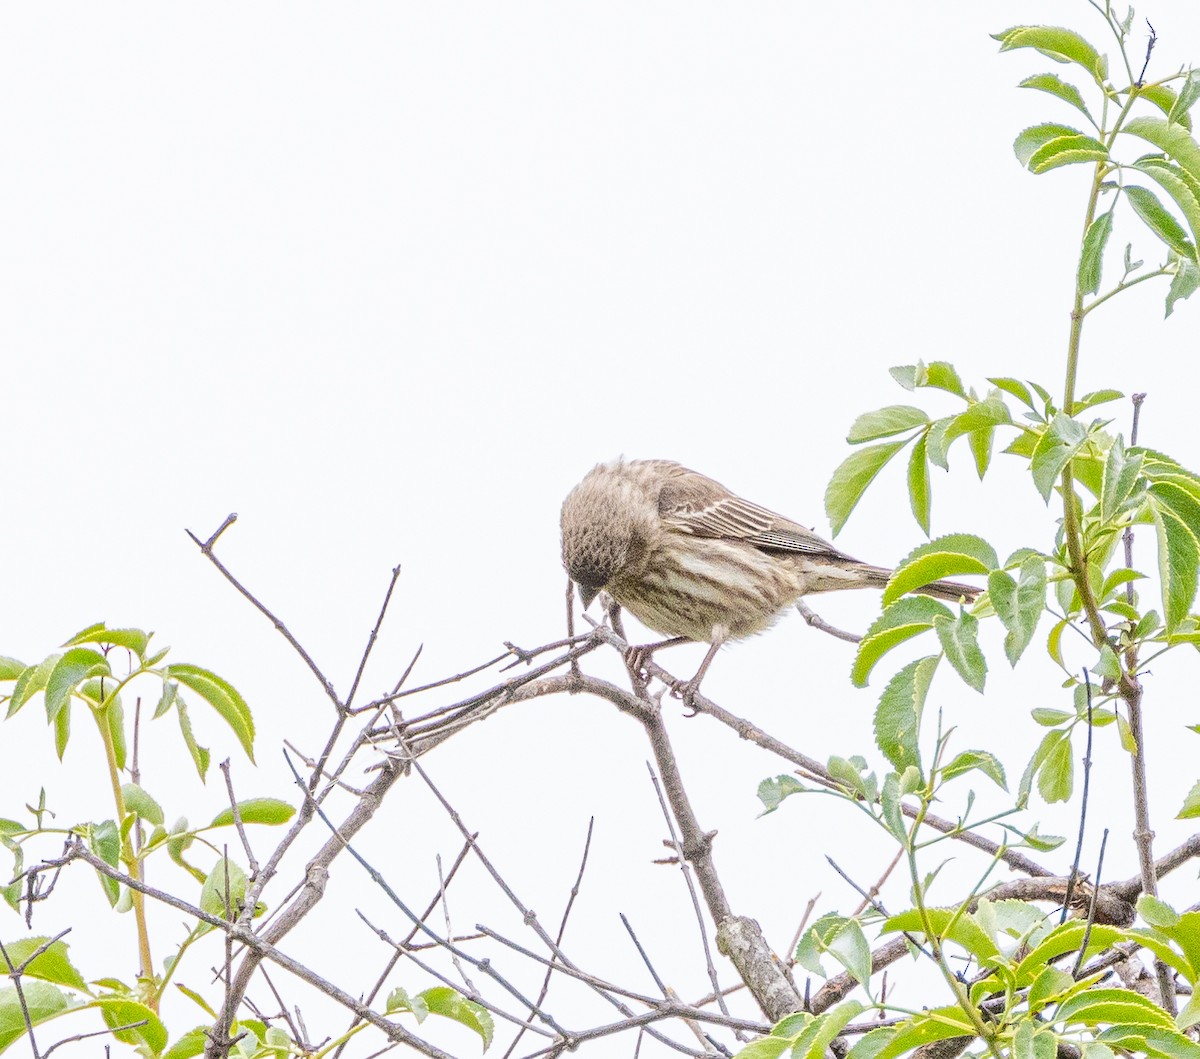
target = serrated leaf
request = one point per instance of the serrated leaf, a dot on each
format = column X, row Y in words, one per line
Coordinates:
column 981, row 448
column 105, row 841
column 1056, row 777
column 1063, row 438
column 222, row 696
column 1055, row 42
column 141, row 1025
column 1019, row 604
column 1090, row 400
column 1067, row 150
column 898, row 714
column 52, row 965
column 1164, row 97
column 959, row 639
column 1160, row 221
column 1184, row 283
column 1121, row 472
column 256, row 811
column 1191, row 804
column 1091, row 257
column 451, row 1004
column 1015, row 387
column 75, row 666
column 224, row 890
column 948, row 556
column 919, row 497
column 10, row 668
column 773, row 790
column 200, row 755
column 901, row 621
column 39, row 1000
column 1029, row 141
column 1122, row 1006
column 1055, row 86
column 1180, row 185
column 134, row 640
column 1172, row 139
column 1157, row 912
column 139, row 802
column 982, row 760
column 1045, row 748
column 851, row 479
column 1048, row 718
column 886, row 422
column 1178, row 556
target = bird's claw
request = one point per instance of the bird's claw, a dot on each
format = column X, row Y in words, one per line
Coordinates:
column 686, row 691
column 637, row 658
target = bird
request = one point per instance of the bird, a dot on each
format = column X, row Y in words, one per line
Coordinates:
column 696, row 562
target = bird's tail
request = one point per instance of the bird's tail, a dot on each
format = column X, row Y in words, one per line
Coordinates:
column 878, row 576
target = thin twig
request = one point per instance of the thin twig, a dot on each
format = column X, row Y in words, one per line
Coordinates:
column 387, row 599
column 237, row 819
column 1091, row 917
column 817, row 622
column 1087, row 772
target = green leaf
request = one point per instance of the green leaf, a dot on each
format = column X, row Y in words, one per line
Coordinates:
column 219, row 899
column 30, row 682
column 772, row 791
column 399, row 1000
column 120, row 1011
column 885, row 422
column 938, row 375
column 1048, row 718
column 983, row 760
column 1191, row 804
column 1046, row 747
column 1121, row 472
column 222, row 696
column 959, row 640
column 1172, row 139
column 981, row 448
column 139, row 802
column 1061, row 441
column 1091, row 257
column 40, row 1000
column 901, row 621
column 1056, row 778
column 10, row 668
column 1019, row 604
column 166, row 700
column 851, row 479
column 850, row 948
column 1178, row 555
column 948, row 556
column 1184, row 102
column 1146, row 205
column 1157, row 912
column 1102, row 1006
column 451, row 1004
column 1184, row 283
column 1067, row 150
column 1164, row 97
column 1179, row 184
column 132, row 639
column 1055, row 86
column 200, row 755
column 53, row 965
column 104, row 840
column 1015, row 387
column 1031, row 140
column 1090, row 400
column 73, row 667
column 256, row 811
column 190, row 1044
column 918, row 483
column 898, row 715
column 1061, row 45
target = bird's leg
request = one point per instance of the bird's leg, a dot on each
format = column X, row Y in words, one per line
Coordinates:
column 637, row 657
column 687, row 690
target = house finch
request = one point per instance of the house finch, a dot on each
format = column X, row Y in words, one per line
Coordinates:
column 693, row 561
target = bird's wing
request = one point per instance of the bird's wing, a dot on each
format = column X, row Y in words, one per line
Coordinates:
column 691, row 503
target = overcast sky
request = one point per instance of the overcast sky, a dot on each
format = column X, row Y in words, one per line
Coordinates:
column 387, row 279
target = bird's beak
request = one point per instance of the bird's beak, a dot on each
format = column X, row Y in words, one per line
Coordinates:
column 587, row 594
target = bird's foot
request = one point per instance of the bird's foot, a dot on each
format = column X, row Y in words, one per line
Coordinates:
column 637, row 658
column 686, row 691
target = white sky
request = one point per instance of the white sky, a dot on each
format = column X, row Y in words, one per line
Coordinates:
column 387, row 279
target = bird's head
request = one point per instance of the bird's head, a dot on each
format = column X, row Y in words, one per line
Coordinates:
column 605, row 520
